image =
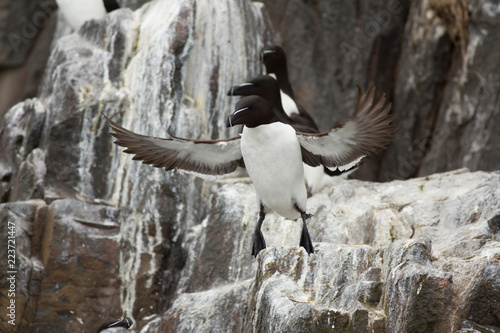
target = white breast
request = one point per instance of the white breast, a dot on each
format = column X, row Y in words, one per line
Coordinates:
column 77, row 12
column 289, row 105
column 274, row 163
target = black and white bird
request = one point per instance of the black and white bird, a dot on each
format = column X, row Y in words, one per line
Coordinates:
column 267, row 87
column 274, row 59
column 271, row 151
column 77, row 12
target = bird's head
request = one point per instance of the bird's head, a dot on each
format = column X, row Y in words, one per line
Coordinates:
column 263, row 85
column 273, row 57
column 250, row 111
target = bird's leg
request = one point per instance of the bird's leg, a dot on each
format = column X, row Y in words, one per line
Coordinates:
column 258, row 239
column 305, row 239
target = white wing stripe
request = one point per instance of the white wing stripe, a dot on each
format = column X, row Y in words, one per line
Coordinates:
column 210, row 157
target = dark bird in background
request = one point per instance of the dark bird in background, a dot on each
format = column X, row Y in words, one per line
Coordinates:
column 274, row 59
column 77, row 12
column 272, row 153
column 125, row 322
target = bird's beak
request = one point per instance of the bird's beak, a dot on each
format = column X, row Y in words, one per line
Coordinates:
column 264, row 54
column 236, row 117
column 242, row 90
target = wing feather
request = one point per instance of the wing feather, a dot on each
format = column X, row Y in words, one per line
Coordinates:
column 208, row 157
column 368, row 132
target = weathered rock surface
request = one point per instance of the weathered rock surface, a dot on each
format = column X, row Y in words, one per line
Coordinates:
column 171, row 62
column 26, row 30
column 100, row 236
column 404, row 256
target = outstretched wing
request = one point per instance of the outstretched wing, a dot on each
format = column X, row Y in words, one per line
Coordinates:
column 208, row 157
column 342, row 147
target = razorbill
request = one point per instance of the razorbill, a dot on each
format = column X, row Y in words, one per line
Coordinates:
column 271, row 151
column 274, row 59
column 125, row 322
column 267, row 87
column 77, row 12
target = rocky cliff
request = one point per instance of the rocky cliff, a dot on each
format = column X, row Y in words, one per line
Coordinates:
column 99, row 236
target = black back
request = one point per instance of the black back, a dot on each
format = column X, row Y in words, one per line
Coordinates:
column 111, row 5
